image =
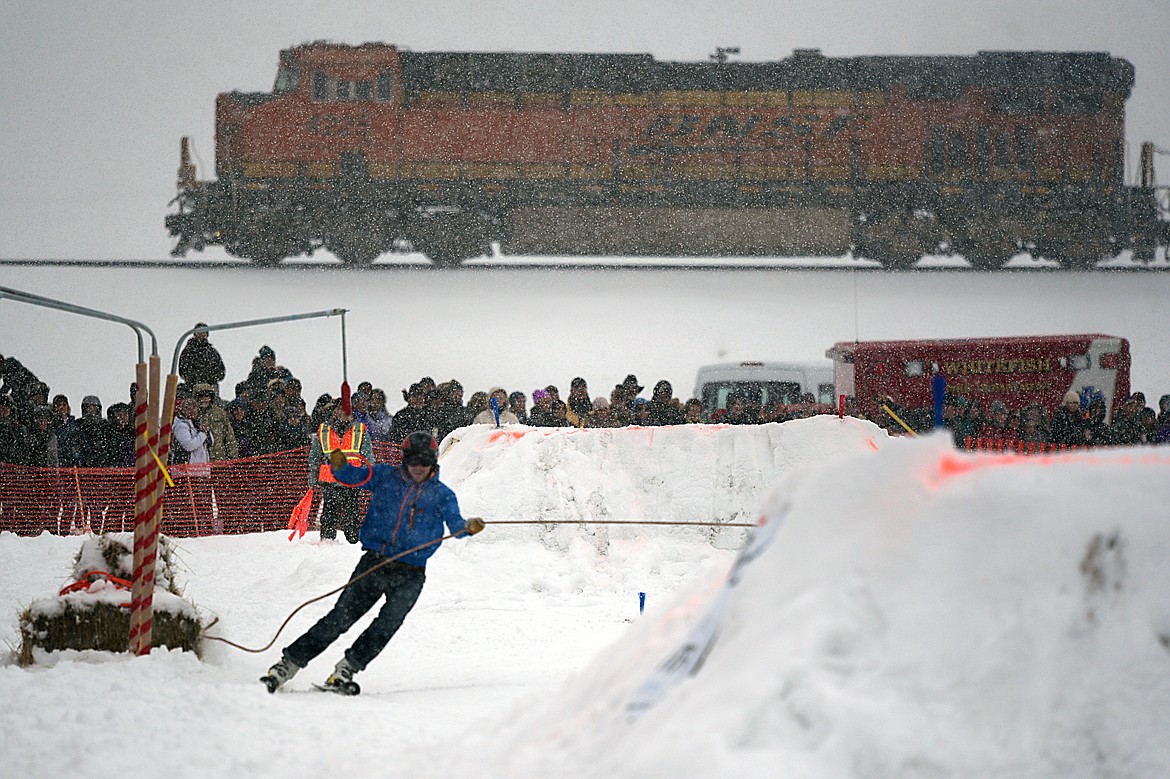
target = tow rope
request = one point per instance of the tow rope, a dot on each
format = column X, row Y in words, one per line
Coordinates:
column 389, row 560
column 295, row 611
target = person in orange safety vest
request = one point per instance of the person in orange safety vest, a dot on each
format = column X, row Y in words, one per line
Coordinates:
column 341, row 505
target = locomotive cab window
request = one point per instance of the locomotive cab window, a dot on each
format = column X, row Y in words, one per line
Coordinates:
column 326, row 88
column 286, row 80
column 354, row 90
column 386, row 86
column 321, row 86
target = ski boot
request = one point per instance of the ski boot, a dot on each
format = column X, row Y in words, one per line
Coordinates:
column 341, row 680
column 279, row 674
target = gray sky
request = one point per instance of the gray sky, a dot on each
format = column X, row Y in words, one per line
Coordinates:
column 97, row 94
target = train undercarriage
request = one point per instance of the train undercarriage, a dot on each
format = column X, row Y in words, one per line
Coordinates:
column 450, row 222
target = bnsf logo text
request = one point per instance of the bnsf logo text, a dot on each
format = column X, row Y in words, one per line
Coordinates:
column 754, row 126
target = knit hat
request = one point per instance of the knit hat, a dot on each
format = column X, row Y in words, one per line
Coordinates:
column 1072, row 397
column 537, row 394
column 266, row 351
column 91, row 400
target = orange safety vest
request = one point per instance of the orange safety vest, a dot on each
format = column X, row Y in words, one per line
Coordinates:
column 350, row 444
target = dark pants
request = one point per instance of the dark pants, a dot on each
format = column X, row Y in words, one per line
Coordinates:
column 341, row 508
column 399, row 582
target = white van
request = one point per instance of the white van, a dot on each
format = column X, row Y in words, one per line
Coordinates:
column 772, row 382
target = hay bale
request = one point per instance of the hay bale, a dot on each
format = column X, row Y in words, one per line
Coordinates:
column 98, row 618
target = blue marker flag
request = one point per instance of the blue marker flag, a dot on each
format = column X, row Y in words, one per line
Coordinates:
column 939, row 386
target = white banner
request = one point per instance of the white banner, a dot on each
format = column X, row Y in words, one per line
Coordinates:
column 688, row 658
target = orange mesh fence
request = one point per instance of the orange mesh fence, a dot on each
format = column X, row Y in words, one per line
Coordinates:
column 226, row 496
column 1014, row 446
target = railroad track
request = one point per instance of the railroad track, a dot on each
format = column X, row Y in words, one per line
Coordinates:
column 507, row 264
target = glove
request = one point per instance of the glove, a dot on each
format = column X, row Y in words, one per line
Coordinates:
column 473, row 526
column 337, row 459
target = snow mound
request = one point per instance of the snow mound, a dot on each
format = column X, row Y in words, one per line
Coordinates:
column 710, row 473
column 919, row 613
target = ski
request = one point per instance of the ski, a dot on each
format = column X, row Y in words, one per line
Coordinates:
column 344, row 688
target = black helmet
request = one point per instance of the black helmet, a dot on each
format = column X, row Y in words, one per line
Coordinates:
column 420, row 448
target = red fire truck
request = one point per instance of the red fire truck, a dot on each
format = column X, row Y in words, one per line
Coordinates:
column 1016, row 371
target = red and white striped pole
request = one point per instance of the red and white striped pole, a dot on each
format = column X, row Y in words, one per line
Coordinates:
column 149, row 483
column 143, row 463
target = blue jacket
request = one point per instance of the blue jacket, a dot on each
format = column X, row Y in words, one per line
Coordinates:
column 402, row 514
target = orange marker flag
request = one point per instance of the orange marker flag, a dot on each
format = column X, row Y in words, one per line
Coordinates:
column 299, row 521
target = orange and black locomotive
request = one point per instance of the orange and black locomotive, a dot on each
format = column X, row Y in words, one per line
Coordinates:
column 364, row 150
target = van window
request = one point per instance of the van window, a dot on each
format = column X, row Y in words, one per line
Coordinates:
column 762, row 392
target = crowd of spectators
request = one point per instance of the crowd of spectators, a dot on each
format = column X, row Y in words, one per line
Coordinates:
column 1080, row 420
column 267, row 413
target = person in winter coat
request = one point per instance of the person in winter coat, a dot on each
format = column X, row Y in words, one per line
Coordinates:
column 190, row 441
column 381, row 421
column 190, row 445
column 94, row 436
column 11, row 433
column 200, row 362
column 341, row 506
column 293, row 430
column 237, row 414
column 579, row 403
column 404, row 526
column 488, row 417
column 738, row 412
column 214, row 419
column 65, row 428
column 264, row 372
column 260, row 425
column 541, row 414
column 123, row 447
column 450, row 413
column 1069, row 424
column 414, row 416
column 664, row 408
column 40, row 449
column 18, row 381
column 518, row 405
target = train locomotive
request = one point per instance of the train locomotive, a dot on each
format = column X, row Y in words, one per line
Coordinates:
column 370, row 149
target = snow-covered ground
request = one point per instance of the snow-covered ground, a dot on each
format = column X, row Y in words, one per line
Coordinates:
column 912, row 612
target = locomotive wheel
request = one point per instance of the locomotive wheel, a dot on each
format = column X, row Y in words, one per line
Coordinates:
column 443, row 258
column 898, row 240
column 355, row 254
column 266, row 260
column 259, row 254
column 989, row 255
column 449, row 238
column 988, row 241
column 1077, row 241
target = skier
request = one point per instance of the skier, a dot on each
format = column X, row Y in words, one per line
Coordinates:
column 407, row 510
